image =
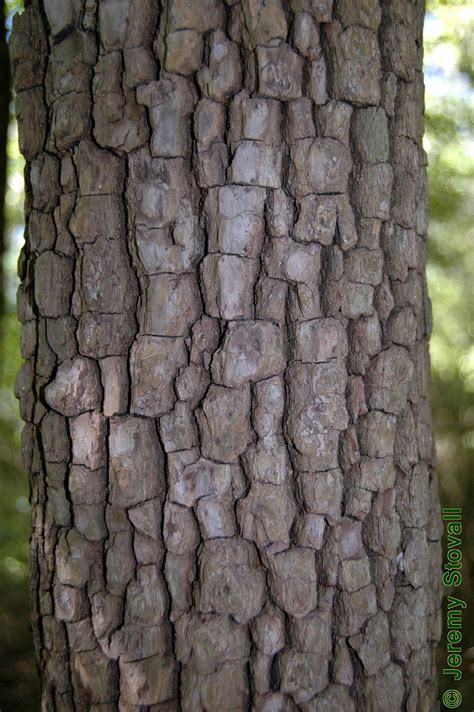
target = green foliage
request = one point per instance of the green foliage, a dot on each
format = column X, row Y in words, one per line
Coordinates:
column 456, row 22
column 18, row 679
column 450, row 145
column 13, row 6
column 18, row 676
column 449, row 141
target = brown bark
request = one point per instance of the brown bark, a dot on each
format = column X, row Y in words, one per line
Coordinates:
column 225, row 327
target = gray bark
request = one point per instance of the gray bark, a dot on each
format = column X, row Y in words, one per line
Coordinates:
column 225, row 326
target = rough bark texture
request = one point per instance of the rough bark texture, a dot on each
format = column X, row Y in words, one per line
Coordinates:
column 225, row 326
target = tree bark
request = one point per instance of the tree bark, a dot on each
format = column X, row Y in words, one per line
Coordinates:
column 225, row 325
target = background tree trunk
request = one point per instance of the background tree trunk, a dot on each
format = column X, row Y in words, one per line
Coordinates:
column 225, row 326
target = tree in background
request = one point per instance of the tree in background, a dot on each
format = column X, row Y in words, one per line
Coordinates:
column 344, row 243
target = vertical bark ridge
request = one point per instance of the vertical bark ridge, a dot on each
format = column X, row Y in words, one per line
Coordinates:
column 224, row 326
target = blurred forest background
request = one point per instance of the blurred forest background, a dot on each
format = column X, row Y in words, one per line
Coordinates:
column 449, row 142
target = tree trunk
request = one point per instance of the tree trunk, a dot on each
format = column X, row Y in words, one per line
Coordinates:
column 225, row 326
